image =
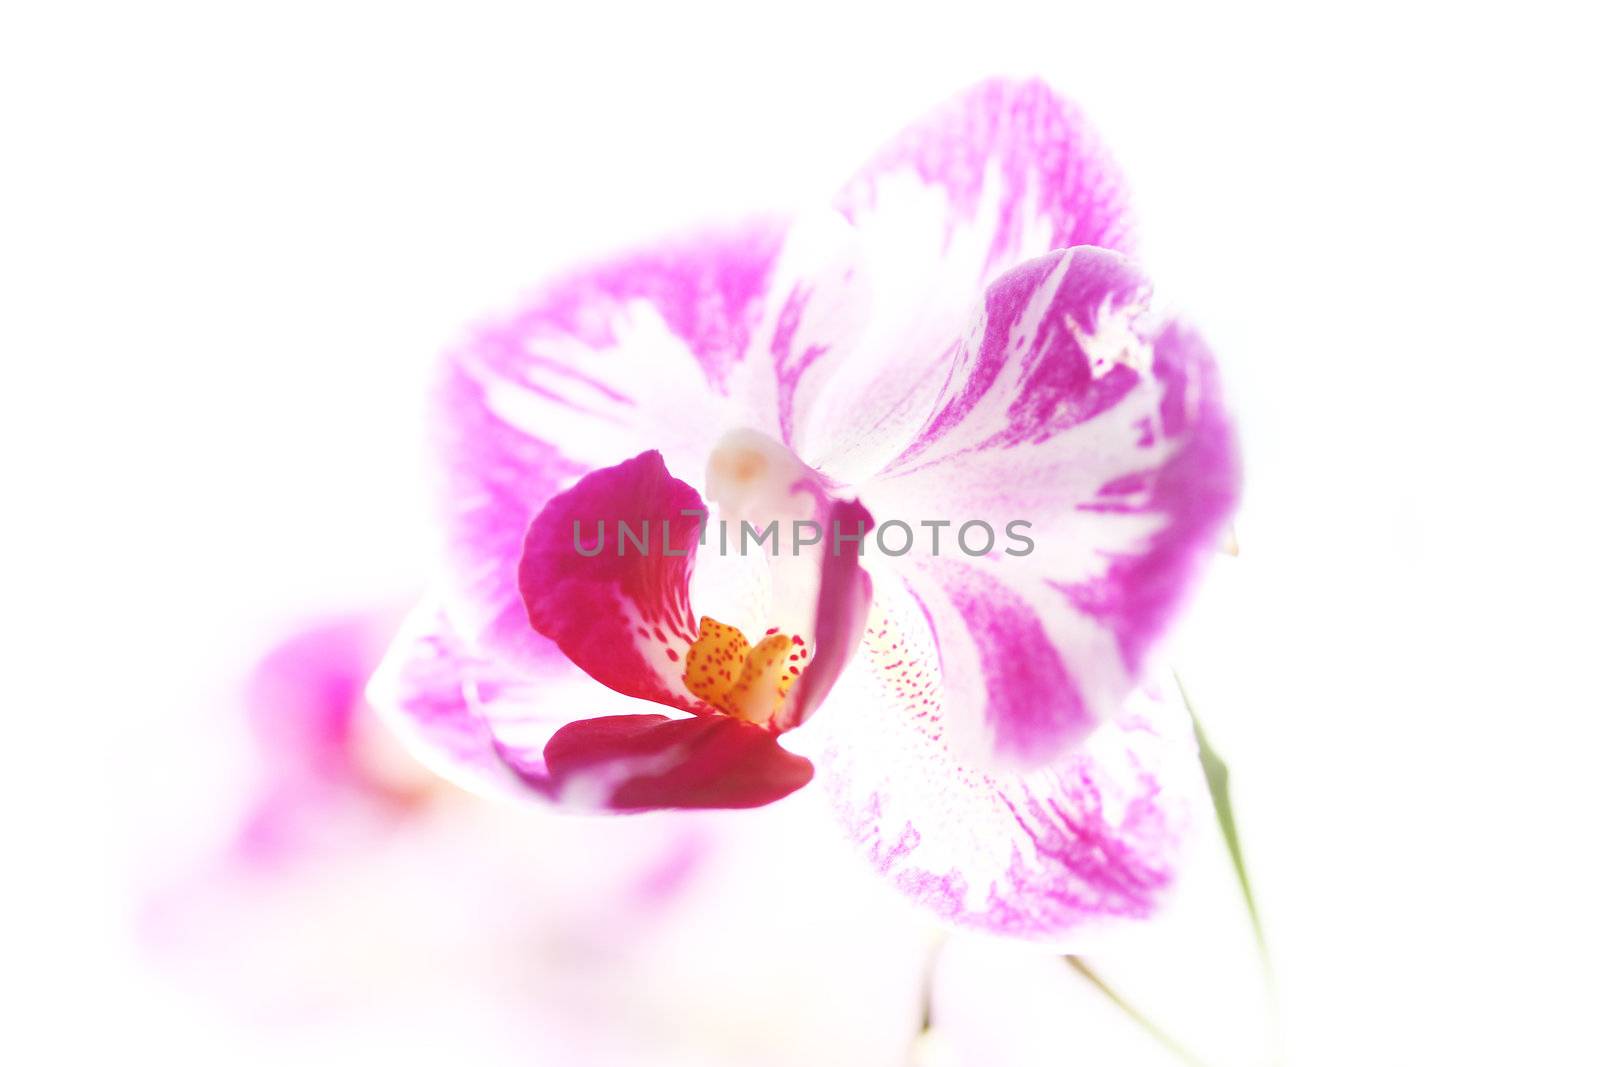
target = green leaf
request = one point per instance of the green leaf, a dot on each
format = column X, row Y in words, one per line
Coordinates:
column 1216, row 772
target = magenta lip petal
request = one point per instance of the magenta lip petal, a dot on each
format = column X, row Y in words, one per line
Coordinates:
column 622, row 615
column 646, row 762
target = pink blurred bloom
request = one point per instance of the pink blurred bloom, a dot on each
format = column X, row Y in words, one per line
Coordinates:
column 315, row 748
column 332, row 787
column 959, row 337
column 363, row 899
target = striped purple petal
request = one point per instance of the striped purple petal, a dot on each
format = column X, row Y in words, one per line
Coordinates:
column 1048, row 855
column 601, row 364
column 471, row 716
column 1080, row 450
column 875, row 293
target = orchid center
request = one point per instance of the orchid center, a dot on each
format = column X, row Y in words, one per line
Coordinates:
column 744, row 681
column 751, row 476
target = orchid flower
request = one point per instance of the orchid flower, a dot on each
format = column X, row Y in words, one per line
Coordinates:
column 315, row 745
column 957, row 346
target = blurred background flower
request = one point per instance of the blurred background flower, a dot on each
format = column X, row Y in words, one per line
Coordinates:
column 362, row 898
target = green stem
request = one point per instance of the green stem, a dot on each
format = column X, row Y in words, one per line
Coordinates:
column 1167, row 1040
column 1216, row 775
column 928, row 970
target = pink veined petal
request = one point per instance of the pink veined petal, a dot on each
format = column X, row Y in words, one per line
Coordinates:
column 867, row 302
column 844, row 599
column 1010, row 158
column 464, row 713
column 1075, row 410
column 621, row 613
column 1051, row 855
column 601, row 364
column 490, row 728
column 646, row 762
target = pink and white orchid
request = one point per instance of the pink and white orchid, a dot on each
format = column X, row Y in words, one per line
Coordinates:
column 958, row 342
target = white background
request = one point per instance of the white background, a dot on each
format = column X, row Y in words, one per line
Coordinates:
column 235, row 237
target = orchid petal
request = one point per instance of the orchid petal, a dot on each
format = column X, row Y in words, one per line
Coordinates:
column 644, row 762
column 621, row 614
column 1073, row 409
column 1010, row 160
column 465, row 714
column 868, row 298
column 1051, row 855
column 640, row 346
column 843, row 602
